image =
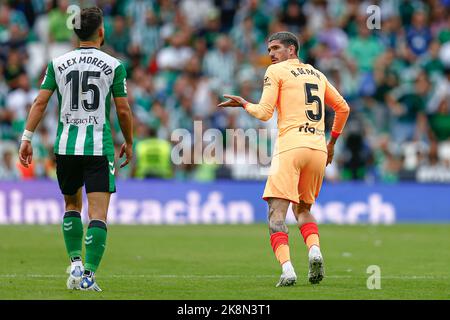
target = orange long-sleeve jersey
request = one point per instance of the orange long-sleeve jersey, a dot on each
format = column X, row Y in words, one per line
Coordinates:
column 299, row 92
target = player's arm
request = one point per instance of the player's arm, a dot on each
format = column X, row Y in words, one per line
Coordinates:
column 35, row 116
column 342, row 111
column 124, row 115
column 264, row 109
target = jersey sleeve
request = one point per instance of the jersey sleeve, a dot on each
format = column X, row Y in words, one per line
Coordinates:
column 49, row 82
column 339, row 105
column 119, row 86
column 264, row 109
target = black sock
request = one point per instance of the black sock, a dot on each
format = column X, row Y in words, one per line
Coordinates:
column 87, row 273
column 73, row 259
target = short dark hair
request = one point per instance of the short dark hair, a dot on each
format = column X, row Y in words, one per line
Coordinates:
column 90, row 20
column 286, row 38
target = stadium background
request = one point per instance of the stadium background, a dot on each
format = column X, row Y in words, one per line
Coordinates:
column 392, row 164
column 181, row 56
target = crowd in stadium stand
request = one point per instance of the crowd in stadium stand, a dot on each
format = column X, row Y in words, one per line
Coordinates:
column 181, row 56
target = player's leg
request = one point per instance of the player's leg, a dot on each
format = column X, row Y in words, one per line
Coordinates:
column 99, row 181
column 72, row 225
column 307, row 224
column 309, row 186
column 96, row 233
column 73, row 237
column 278, row 229
column 68, row 170
column 281, row 189
column 310, row 233
column 279, row 239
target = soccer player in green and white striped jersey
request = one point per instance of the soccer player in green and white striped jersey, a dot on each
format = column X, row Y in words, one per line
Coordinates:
column 84, row 80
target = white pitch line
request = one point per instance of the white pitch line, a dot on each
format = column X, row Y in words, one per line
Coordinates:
column 216, row 276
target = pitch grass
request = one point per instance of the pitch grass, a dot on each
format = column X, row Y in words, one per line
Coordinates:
column 230, row 262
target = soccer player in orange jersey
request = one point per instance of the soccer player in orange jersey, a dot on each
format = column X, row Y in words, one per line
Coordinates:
column 299, row 92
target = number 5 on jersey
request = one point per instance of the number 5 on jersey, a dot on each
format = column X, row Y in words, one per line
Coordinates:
column 310, row 99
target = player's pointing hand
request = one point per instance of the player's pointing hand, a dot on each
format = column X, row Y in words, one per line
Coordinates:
column 233, row 101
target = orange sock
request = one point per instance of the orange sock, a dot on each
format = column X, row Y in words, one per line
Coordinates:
column 310, row 233
column 280, row 246
column 312, row 240
column 282, row 254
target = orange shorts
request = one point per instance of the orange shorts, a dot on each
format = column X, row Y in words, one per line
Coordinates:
column 296, row 175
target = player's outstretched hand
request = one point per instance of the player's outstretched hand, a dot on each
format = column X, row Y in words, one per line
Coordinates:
column 233, row 101
column 25, row 153
column 126, row 149
column 330, row 148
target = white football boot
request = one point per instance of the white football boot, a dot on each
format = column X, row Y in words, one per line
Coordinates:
column 88, row 283
column 75, row 272
column 288, row 277
column 316, row 273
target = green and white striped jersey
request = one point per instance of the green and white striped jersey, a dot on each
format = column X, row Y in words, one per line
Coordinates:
column 84, row 80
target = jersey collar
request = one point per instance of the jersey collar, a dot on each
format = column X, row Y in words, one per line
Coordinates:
column 79, row 48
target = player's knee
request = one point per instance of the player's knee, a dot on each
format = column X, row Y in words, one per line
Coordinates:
column 301, row 208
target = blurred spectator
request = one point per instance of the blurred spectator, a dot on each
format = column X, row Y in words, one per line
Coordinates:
column 11, row 18
column 58, row 22
column 418, row 35
column 152, row 155
column 316, row 10
column 196, row 11
column 148, row 39
column 19, row 101
column 13, row 68
column 364, row 49
column 335, row 39
column 119, row 37
column 433, row 169
column 444, row 34
column 388, row 163
column 27, row 9
column 8, row 169
column 431, row 63
column 246, row 37
column 356, row 157
column 220, row 64
column 293, row 17
column 439, row 109
column 255, row 9
column 175, row 56
column 408, row 109
column 136, row 10
column 227, row 9
column 211, row 30
column 391, row 32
